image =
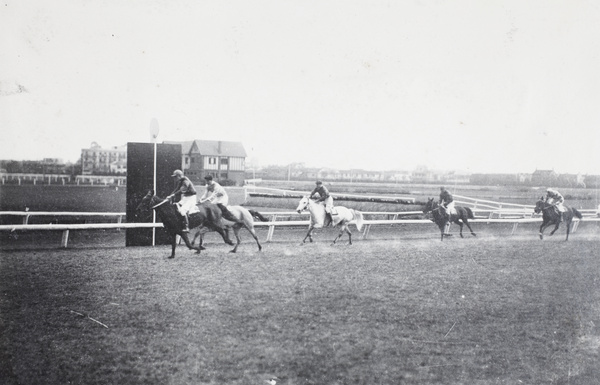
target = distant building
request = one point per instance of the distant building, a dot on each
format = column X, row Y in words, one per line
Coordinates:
column 119, row 167
column 97, row 160
column 546, row 178
column 221, row 159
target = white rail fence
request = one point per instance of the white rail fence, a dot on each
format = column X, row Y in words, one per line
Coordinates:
column 274, row 222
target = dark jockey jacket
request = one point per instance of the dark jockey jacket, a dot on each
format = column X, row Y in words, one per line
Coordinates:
column 445, row 198
column 323, row 193
column 183, row 187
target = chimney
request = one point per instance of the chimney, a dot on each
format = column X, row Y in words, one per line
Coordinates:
column 219, row 148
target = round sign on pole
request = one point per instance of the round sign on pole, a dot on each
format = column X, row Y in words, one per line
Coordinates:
column 154, row 128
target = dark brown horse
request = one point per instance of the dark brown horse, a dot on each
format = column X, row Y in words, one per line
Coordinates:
column 551, row 216
column 207, row 216
column 440, row 218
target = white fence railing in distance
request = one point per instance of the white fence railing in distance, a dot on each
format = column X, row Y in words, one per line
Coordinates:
column 296, row 193
column 28, row 214
column 66, row 228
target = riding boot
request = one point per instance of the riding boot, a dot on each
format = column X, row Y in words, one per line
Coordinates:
column 561, row 216
column 186, row 224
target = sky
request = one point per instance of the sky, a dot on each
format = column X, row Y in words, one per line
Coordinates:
column 472, row 86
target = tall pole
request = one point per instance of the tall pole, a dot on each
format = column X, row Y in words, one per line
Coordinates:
column 154, row 188
column 154, row 134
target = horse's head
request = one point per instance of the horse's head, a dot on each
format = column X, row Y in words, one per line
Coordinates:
column 429, row 206
column 303, row 204
column 540, row 205
column 146, row 203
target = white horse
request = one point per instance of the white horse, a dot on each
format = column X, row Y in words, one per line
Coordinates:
column 341, row 217
column 244, row 218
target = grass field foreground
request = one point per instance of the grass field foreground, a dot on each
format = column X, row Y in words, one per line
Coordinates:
column 477, row 311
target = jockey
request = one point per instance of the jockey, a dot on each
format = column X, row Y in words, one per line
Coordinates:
column 447, row 201
column 324, row 197
column 215, row 193
column 554, row 198
column 185, row 195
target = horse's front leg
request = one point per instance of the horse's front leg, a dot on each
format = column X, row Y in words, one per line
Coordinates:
column 251, row 230
column 555, row 228
column 460, row 229
column 224, row 233
column 173, row 245
column 308, row 235
column 186, row 239
column 542, row 228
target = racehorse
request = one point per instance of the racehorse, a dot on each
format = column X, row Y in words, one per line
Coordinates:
column 440, row 218
column 244, row 218
column 206, row 216
column 341, row 217
column 551, row 216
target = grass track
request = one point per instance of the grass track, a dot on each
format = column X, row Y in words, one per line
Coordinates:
column 480, row 311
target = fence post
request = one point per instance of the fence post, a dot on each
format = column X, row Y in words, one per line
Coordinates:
column 65, row 238
column 366, row 231
column 271, row 228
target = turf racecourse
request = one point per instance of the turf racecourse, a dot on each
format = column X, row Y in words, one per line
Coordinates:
column 486, row 310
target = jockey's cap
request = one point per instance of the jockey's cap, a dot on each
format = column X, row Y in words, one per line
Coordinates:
column 177, row 173
column 208, row 177
column 319, row 182
column 548, row 190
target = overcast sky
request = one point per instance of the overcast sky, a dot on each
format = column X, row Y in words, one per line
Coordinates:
column 475, row 86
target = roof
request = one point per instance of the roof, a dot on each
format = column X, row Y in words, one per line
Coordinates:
column 213, row 147
column 216, row 147
column 186, row 147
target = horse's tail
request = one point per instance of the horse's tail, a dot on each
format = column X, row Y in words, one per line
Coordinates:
column 259, row 216
column 359, row 219
column 469, row 213
column 577, row 213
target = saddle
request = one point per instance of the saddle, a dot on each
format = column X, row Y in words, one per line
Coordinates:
column 193, row 210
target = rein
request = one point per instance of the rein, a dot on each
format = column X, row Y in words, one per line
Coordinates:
column 160, row 204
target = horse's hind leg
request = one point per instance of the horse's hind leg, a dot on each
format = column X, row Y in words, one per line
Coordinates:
column 251, row 230
column 308, row 235
column 343, row 230
column 568, row 230
column 173, row 246
column 461, row 227
column 338, row 237
column 470, row 229
column 236, row 231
